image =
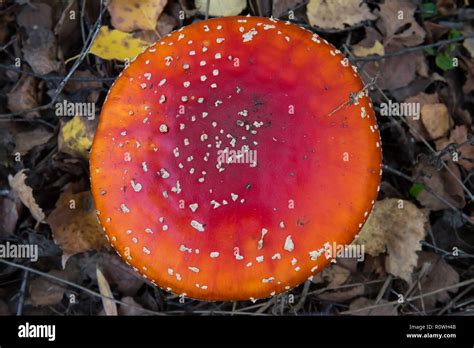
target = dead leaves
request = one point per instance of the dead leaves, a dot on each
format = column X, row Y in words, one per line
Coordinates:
column 25, row 194
column 337, row 14
column 23, row 96
column 398, row 25
column 220, row 8
column 132, row 15
column 396, row 227
column 74, row 224
column 439, row 275
column 75, row 137
column 435, row 118
column 116, row 44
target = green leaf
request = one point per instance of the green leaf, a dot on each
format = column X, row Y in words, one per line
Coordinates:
column 416, row 189
column 428, row 9
column 444, row 61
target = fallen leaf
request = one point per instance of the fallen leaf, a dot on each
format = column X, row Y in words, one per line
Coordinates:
column 77, row 85
column 26, row 140
column 166, row 24
column 131, row 15
column 46, row 292
column 25, row 193
column 75, row 137
column 23, row 97
column 376, row 49
column 394, row 72
column 363, row 302
column 39, row 51
column 442, row 183
column 133, row 307
column 446, row 7
column 417, row 124
column 74, row 224
column 36, row 15
column 435, row 118
column 116, row 44
column 397, row 227
column 110, row 307
column 465, row 152
column 127, row 281
column 281, row 8
column 342, row 295
column 221, row 8
column 468, row 66
column 440, row 275
column 9, row 211
column 337, row 14
column 397, row 23
column 334, row 275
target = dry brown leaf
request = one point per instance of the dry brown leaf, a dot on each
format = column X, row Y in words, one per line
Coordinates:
column 74, row 224
column 395, row 15
column 342, row 295
column 363, row 302
column 435, row 118
column 417, row 124
column 131, row 15
column 281, row 8
column 9, row 212
column 25, row 193
column 458, row 136
column 110, row 307
column 39, row 51
column 442, row 183
column 23, row 96
column 334, row 275
column 45, row 292
column 395, row 72
column 119, row 274
column 166, row 24
column 397, row 227
column 26, row 140
column 440, row 275
column 337, row 14
column 36, row 15
column 133, row 307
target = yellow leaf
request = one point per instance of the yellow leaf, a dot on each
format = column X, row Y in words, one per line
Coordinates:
column 221, row 8
column 75, row 137
column 336, row 14
column 116, row 44
column 131, row 15
column 110, row 307
column 361, row 51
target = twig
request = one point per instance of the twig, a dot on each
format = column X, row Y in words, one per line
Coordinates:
column 413, row 298
column 412, row 49
column 21, row 294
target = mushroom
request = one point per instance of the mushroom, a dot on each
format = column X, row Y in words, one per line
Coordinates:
column 231, row 155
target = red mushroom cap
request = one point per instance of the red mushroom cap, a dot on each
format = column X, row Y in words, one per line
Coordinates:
column 235, row 89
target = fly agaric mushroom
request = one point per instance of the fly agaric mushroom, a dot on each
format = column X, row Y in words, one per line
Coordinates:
column 227, row 160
